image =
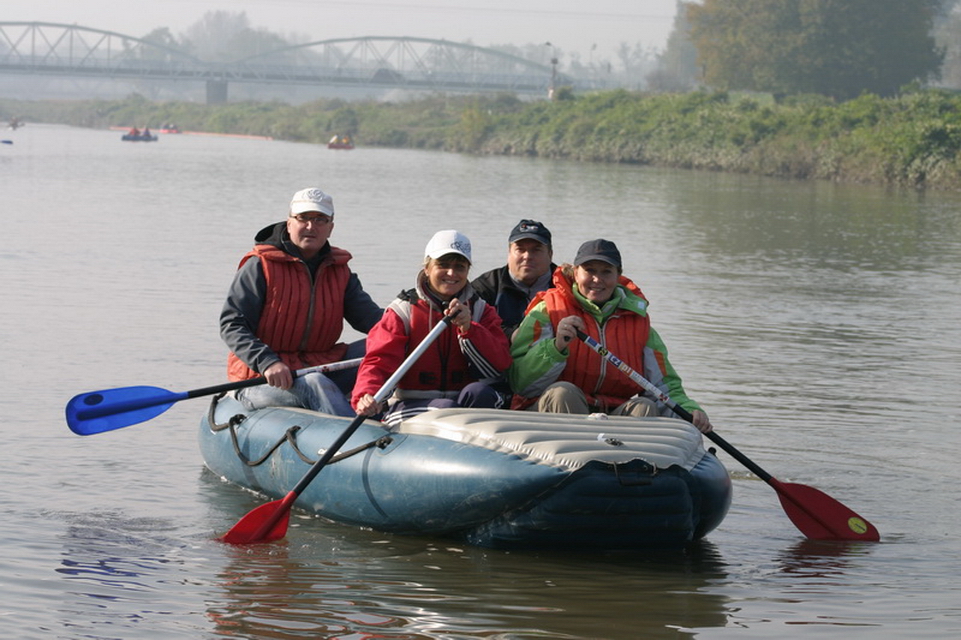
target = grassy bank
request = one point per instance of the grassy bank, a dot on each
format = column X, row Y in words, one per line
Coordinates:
column 912, row 140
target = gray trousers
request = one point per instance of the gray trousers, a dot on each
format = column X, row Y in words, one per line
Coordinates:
column 564, row 397
column 313, row 391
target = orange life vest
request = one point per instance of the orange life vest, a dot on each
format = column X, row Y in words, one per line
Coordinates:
column 301, row 320
column 624, row 333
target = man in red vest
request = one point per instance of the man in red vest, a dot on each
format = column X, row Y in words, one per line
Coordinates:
column 286, row 308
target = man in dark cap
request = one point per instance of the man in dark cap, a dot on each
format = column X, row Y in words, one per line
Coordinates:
column 528, row 271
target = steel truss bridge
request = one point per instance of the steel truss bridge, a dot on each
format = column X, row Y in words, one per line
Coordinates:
column 420, row 64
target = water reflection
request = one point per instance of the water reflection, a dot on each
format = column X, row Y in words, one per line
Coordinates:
column 823, row 561
column 329, row 580
column 811, row 224
column 115, row 567
column 97, row 548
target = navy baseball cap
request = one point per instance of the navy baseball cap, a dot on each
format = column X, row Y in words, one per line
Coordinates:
column 530, row 229
column 599, row 249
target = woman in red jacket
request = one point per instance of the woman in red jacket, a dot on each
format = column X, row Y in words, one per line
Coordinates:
column 455, row 369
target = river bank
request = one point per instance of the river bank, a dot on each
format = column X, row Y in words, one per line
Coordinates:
column 912, row 140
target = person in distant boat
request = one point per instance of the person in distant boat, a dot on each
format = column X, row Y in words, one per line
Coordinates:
column 554, row 371
column 146, row 132
column 286, row 308
column 454, row 370
column 511, row 288
column 134, row 131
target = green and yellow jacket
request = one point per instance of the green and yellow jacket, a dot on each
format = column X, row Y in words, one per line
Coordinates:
column 621, row 325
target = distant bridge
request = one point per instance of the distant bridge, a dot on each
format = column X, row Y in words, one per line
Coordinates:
column 50, row 49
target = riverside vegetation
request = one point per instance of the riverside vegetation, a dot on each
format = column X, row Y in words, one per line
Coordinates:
column 911, row 140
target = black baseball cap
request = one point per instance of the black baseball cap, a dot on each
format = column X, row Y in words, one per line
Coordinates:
column 530, row 229
column 599, row 249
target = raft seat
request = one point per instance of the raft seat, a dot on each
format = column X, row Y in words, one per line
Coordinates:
column 568, row 444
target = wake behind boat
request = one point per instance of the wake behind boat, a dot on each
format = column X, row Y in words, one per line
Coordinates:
column 492, row 478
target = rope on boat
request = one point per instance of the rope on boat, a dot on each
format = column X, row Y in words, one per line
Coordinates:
column 290, row 436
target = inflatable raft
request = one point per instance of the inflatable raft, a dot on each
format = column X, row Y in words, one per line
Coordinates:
column 492, row 478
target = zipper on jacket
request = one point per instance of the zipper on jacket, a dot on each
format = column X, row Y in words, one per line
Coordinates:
column 305, row 339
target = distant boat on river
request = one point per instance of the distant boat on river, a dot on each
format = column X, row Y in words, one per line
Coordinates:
column 340, row 142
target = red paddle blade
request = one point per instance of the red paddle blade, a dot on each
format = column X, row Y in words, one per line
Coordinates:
column 266, row 523
column 820, row 517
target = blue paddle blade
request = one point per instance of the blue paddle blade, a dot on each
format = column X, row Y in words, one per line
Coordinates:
column 99, row 411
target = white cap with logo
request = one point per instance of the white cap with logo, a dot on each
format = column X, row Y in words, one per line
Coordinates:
column 447, row 242
column 311, row 199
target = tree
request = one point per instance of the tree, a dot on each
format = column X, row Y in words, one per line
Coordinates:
column 638, row 61
column 947, row 33
column 224, row 36
column 163, row 37
column 840, row 48
column 677, row 65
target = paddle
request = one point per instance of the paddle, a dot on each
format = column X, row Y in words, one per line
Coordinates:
column 816, row 514
column 109, row 409
column 269, row 521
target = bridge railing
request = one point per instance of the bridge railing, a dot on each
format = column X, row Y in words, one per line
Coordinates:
column 416, row 63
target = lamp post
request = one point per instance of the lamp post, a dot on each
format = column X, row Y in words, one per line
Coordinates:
column 591, row 65
column 550, row 90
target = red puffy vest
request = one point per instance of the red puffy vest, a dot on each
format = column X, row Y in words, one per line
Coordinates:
column 301, row 320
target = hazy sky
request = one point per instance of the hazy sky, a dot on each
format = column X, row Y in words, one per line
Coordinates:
column 570, row 25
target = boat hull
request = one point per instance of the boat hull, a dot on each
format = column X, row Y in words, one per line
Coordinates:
column 491, row 478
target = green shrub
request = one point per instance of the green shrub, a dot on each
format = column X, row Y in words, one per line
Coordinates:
column 913, row 139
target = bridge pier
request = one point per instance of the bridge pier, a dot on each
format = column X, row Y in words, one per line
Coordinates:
column 216, row 91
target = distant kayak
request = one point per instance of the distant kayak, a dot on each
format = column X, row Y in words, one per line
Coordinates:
column 139, row 137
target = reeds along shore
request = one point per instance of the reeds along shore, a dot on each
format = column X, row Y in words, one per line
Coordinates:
column 910, row 140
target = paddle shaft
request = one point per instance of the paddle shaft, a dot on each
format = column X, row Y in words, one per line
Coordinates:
column 815, row 513
column 380, row 396
column 670, row 404
column 253, row 382
column 100, row 410
column 386, row 389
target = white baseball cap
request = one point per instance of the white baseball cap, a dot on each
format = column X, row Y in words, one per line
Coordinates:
column 311, row 199
column 446, row 242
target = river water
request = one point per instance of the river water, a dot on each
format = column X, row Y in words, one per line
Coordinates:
column 819, row 325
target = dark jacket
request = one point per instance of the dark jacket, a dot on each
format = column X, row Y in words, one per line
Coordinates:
column 497, row 288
